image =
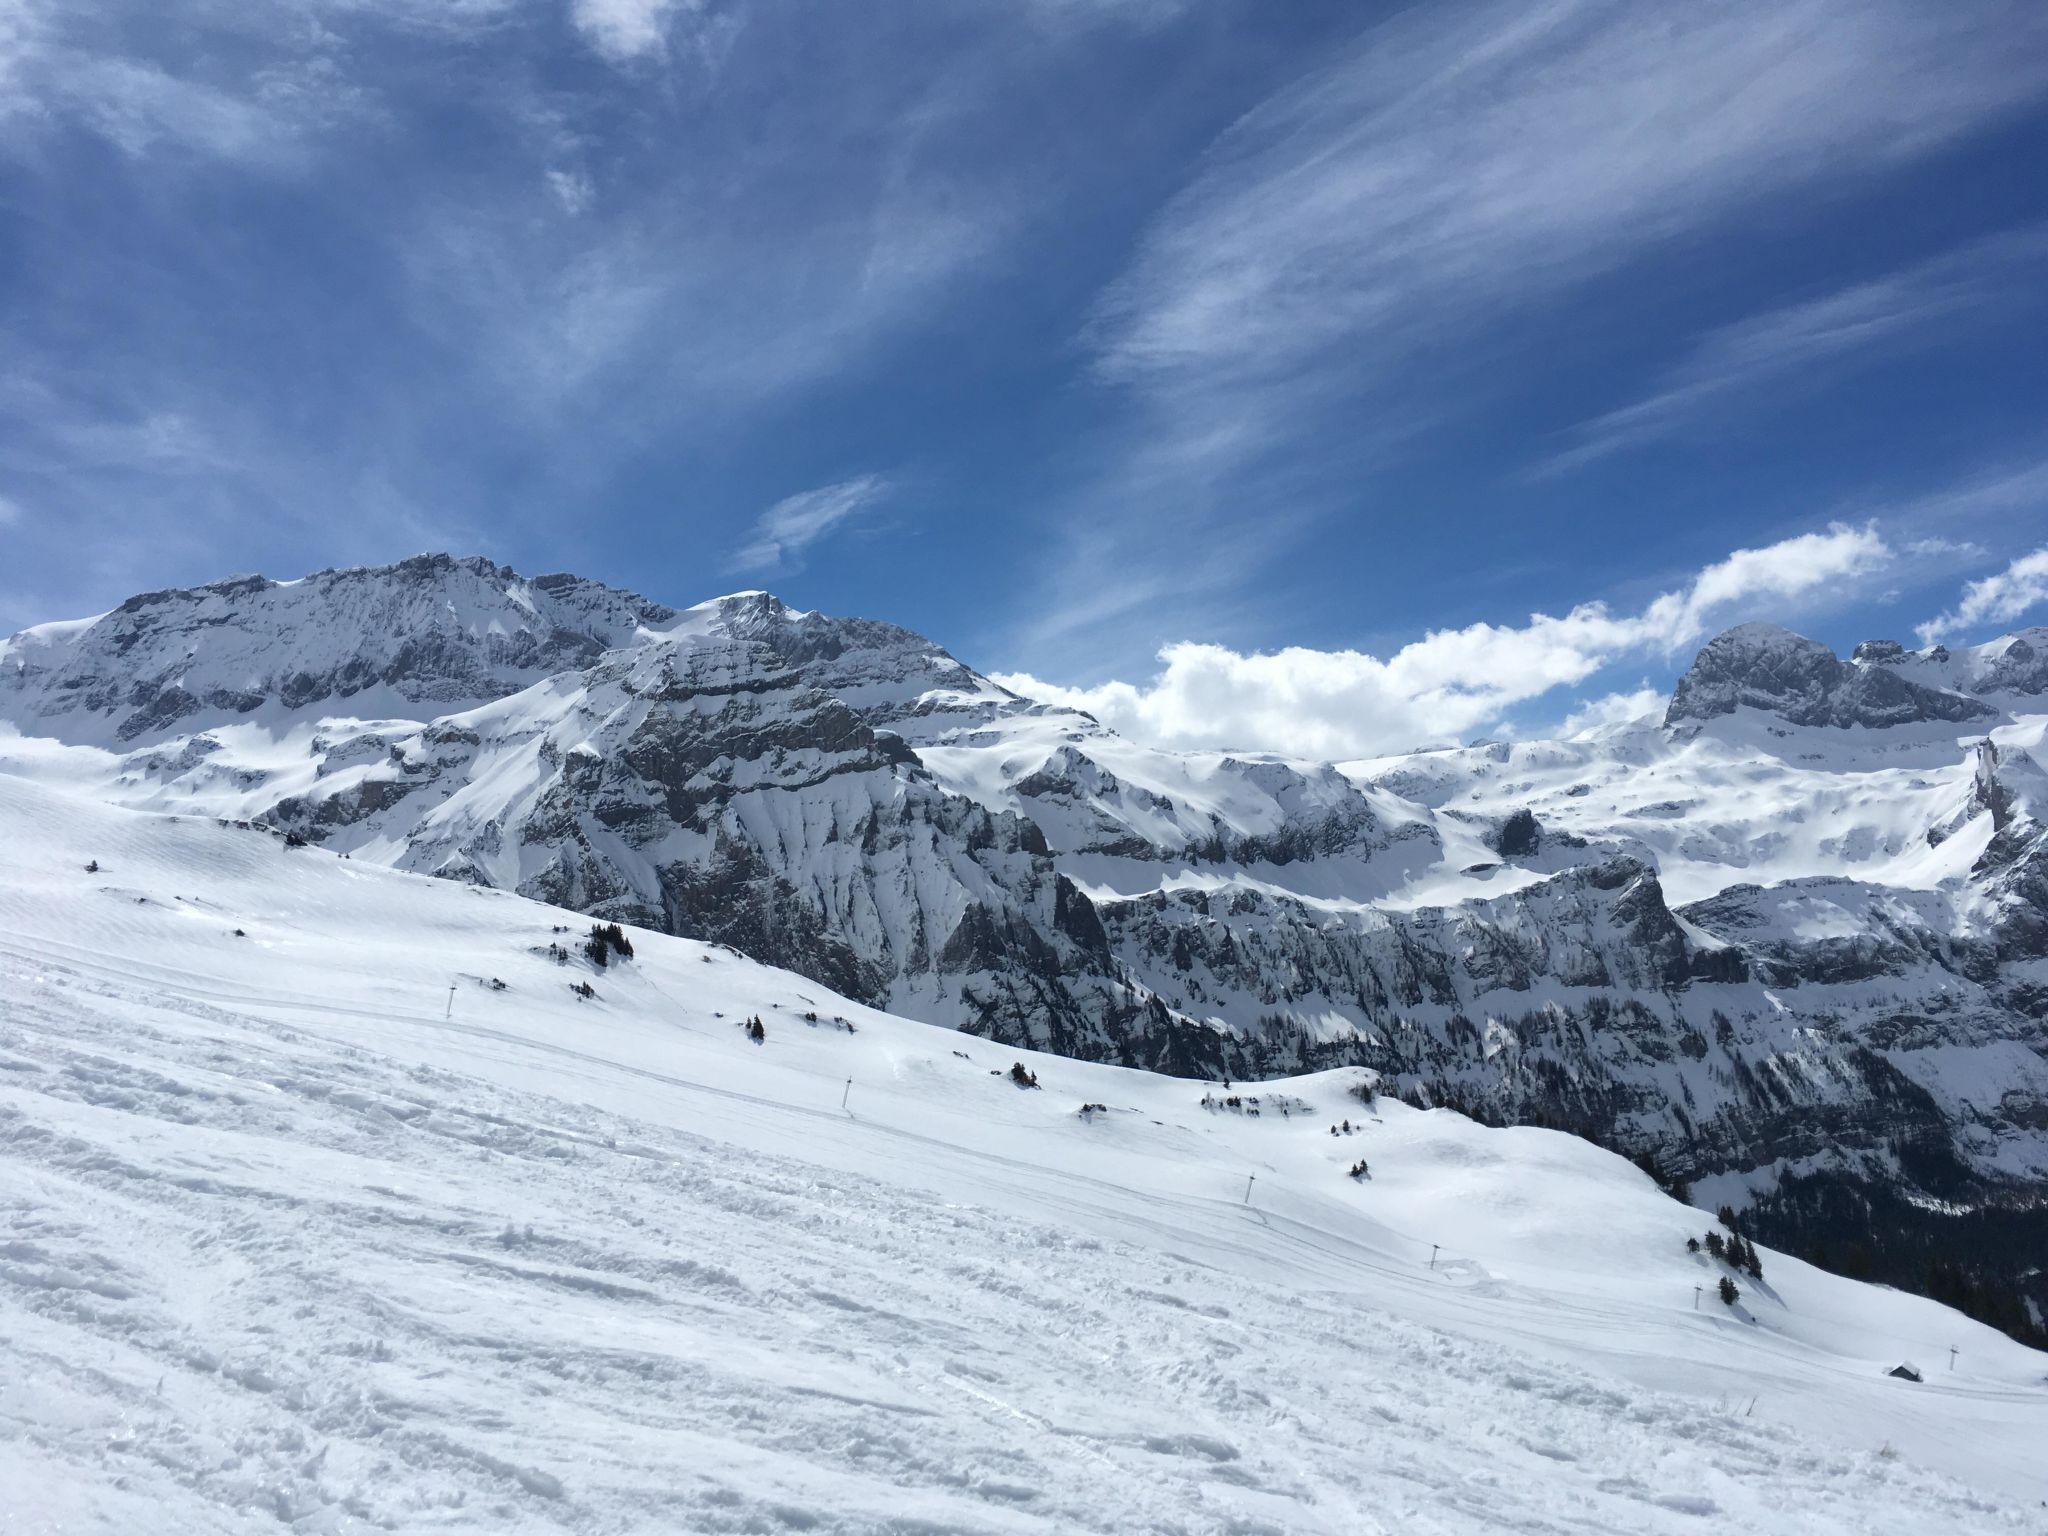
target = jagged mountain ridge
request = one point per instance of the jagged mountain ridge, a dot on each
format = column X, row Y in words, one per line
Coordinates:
column 424, row 636
column 1490, row 925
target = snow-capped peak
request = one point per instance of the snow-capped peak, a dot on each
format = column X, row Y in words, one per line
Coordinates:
column 373, row 641
column 1767, row 667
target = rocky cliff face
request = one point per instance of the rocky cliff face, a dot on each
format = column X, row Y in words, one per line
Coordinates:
column 1848, row 982
column 1763, row 667
column 2012, row 669
column 702, row 783
column 417, row 638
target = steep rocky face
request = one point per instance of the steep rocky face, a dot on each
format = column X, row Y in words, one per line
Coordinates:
column 1801, row 681
column 1255, row 812
column 1604, row 926
column 889, row 675
column 1828, row 930
column 2013, row 668
column 1087, row 789
column 2011, row 893
column 703, row 785
column 424, row 636
column 2018, row 665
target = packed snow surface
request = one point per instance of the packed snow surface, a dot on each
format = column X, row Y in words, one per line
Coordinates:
column 327, row 1205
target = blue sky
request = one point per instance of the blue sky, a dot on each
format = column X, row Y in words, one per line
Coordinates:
column 1273, row 376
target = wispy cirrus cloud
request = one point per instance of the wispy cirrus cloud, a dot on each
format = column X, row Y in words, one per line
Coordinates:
column 1737, row 360
column 1460, row 162
column 1343, row 268
column 780, row 535
column 625, row 29
column 624, row 32
column 229, row 84
column 1347, row 704
column 558, row 275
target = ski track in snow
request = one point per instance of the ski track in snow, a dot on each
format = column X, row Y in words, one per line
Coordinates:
column 273, row 1261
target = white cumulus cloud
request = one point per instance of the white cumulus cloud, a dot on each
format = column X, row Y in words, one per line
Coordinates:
column 1609, row 710
column 1996, row 599
column 1347, row 704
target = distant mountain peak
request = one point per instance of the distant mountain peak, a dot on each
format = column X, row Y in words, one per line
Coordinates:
column 435, row 629
column 1770, row 668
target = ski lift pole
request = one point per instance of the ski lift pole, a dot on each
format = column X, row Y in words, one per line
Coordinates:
column 844, row 1092
column 1249, row 1180
column 451, row 1002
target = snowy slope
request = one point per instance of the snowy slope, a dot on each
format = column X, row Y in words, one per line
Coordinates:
column 297, row 1236
column 1744, row 799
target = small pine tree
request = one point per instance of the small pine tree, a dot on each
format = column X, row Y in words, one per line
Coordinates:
column 1692, row 1245
column 756, row 1030
column 1715, row 1246
column 1729, row 1294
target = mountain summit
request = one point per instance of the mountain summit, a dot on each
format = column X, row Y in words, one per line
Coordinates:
column 1801, row 681
column 429, row 634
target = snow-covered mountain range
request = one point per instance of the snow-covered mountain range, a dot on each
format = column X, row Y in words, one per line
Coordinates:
column 1789, row 941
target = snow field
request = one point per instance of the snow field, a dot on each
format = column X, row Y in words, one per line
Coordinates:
column 291, row 1238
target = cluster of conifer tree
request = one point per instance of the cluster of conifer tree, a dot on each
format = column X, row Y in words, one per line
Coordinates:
column 1981, row 1255
column 606, row 940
